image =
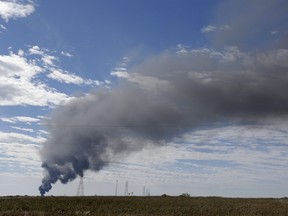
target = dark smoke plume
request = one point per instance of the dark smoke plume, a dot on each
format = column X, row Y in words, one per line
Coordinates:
column 159, row 100
column 165, row 97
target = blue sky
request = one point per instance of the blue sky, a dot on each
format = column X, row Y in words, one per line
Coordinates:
column 55, row 52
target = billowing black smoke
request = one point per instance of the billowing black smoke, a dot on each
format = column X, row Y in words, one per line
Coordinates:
column 159, row 100
column 162, row 98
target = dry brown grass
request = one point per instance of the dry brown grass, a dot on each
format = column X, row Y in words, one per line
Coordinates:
column 141, row 206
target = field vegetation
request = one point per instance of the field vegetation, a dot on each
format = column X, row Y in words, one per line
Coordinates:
column 140, row 206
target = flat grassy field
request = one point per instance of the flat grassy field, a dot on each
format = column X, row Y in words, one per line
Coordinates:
column 141, row 206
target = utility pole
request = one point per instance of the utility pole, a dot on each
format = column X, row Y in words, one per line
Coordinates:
column 126, row 189
column 144, row 191
column 148, row 192
column 116, row 189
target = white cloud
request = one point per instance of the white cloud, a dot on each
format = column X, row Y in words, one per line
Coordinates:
column 146, row 82
column 21, row 52
column 20, row 82
column 124, row 62
column 22, row 119
column 57, row 73
column 20, row 138
column 8, row 120
column 35, row 50
column 67, row 54
column 43, row 132
column 69, row 78
column 231, row 157
column 120, row 74
column 19, row 86
column 275, row 32
column 107, row 82
column 65, row 77
column 212, row 28
column 47, row 60
column 209, row 28
column 17, row 156
column 2, row 27
column 182, row 50
column 26, row 119
column 13, row 9
column 23, row 129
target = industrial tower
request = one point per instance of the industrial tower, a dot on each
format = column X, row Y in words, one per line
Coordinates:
column 126, row 189
column 80, row 191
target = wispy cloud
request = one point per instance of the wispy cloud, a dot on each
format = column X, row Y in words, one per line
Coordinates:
column 212, row 28
column 2, row 28
column 275, row 32
column 47, row 59
column 19, row 85
column 67, row 54
column 70, row 78
column 23, row 129
column 21, row 119
column 146, row 82
column 228, row 156
column 19, row 158
column 13, row 9
column 19, row 152
column 55, row 72
column 12, row 137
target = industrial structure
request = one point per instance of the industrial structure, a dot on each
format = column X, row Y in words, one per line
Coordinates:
column 80, row 190
column 116, row 189
column 126, row 193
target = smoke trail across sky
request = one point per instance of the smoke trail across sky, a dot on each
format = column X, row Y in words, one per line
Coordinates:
column 163, row 97
column 159, row 100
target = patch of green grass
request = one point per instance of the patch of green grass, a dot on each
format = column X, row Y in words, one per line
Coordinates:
column 141, row 206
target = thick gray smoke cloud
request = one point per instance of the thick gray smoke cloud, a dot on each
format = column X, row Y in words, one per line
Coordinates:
column 252, row 23
column 159, row 100
column 165, row 97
